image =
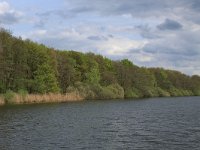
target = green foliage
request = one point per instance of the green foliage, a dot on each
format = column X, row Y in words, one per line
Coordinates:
column 162, row 93
column 93, row 76
column 67, row 73
column 36, row 68
column 113, row 91
column 9, row 96
column 127, row 63
column 175, row 92
column 45, row 80
column 117, row 90
column 96, row 91
column 108, row 78
column 2, row 87
column 23, row 93
column 195, row 85
column 84, row 89
column 132, row 93
column 162, row 78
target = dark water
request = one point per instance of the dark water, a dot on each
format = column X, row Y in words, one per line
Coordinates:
column 160, row 123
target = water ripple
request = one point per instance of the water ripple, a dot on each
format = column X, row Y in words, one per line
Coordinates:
column 147, row 124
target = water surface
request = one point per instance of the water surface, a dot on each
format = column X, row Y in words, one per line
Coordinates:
column 153, row 124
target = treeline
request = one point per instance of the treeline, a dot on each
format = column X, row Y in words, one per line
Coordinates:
column 35, row 68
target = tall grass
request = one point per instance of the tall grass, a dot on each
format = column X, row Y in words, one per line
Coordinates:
column 9, row 97
column 46, row 98
column 24, row 98
column 2, row 101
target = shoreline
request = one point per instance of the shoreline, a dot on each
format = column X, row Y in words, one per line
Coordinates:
column 18, row 99
column 58, row 98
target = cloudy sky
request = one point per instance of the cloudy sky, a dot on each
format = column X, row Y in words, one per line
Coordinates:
column 151, row 33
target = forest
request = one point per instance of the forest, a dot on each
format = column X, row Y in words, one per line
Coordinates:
column 32, row 68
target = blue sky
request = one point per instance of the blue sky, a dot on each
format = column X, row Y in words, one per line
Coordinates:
column 151, row 33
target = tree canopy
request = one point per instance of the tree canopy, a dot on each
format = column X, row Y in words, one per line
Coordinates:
column 26, row 65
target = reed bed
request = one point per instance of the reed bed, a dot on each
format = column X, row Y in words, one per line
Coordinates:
column 2, row 101
column 43, row 98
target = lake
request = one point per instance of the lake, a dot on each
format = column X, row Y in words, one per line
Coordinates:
column 153, row 124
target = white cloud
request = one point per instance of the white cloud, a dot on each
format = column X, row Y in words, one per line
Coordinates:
column 77, row 39
column 119, row 45
column 8, row 15
column 4, row 7
column 163, row 33
column 38, row 33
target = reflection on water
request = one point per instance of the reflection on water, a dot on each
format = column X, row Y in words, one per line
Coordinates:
column 160, row 123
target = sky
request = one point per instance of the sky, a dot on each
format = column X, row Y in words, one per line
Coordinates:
column 151, row 33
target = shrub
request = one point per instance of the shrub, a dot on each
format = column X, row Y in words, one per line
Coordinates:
column 83, row 89
column 113, row 91
column 105, row 93
column 96, row 91
column 9, row 96
column 117, row 90
column 163, row 93
column 132, row 93
column 23, row 93
column 175, row 92
column 2, row 88
column 70, row 89
column 147, row 92
column 196, row 92
column 186, row 92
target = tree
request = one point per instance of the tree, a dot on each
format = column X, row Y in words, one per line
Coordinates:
column 195, row 84
column 161, row 78
column 33, row 67
column 92, row 75
column 66, row 71
column 6, row 60
column 20, row 59
column 108, row 78
column 127, row 63
column 45, row 80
